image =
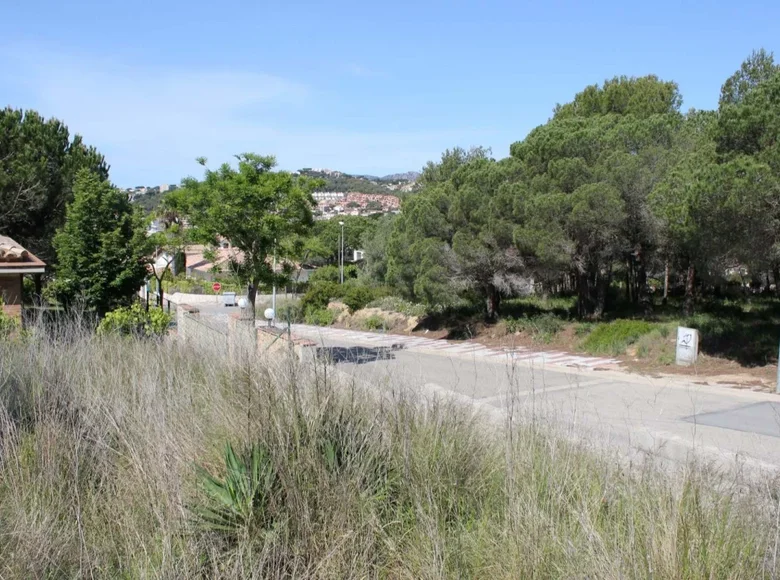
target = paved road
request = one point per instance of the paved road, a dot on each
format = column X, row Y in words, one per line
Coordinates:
column 668, row 418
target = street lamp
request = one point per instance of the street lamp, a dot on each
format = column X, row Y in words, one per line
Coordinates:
column 341, row 260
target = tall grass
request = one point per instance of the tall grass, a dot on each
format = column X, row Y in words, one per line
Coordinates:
column 108, row 445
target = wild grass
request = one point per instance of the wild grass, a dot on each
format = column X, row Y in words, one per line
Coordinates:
column 114, row 462
column 542, row 328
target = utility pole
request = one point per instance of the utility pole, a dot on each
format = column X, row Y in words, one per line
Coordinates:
column 273, row 291
column 341, row 261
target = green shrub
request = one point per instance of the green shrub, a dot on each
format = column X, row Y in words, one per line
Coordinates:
column 374, row 322
column 136, row 321
column 542, row 328
column 238, row 504
column 583, row 328
column 332, row 274
column 614, row 337
column 319, row 295
column 289, row 311
column 321, row 316
column 356, row 297
column 8, row 325
column 396, row 304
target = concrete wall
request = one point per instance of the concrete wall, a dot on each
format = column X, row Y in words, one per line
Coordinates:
column 11, row 293
column 194, row 329
column 239, row 337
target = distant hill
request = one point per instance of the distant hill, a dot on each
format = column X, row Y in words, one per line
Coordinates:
column 408, row 176
column 396, row 184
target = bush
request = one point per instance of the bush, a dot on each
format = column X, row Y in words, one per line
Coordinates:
column 321, row 316
column 319, row 295
column 614, row 337
column 542, row 328
column 396, row 304
column 356, row 297
column 8, row 325
column 289, row 311
column 374, row 322
column 136, row 321
column 332, row 274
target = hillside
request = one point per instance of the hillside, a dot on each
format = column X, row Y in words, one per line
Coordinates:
column 395, row 184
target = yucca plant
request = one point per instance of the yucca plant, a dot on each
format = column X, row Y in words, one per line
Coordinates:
column 240, row 502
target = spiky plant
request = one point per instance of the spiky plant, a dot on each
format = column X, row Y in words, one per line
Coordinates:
column 239, row 502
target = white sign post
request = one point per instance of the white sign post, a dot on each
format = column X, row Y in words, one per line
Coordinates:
column 687, row 345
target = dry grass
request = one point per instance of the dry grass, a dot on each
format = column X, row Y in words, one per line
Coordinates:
column 100, row 438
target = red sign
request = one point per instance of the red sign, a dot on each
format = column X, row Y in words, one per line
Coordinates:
column 216, row 286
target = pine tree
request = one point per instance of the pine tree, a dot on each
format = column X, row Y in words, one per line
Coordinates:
column 102, row 249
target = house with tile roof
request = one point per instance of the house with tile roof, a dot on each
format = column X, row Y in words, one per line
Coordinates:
column 15, row 263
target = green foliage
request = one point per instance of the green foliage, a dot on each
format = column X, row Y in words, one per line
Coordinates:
column 374, row 322
column 319, row 295
column 238, row 504
column 357, row 297
column 614, row 337
column 332, row 273
column 396, row 304
column 343, row 182
column 257, row 209
column 39, row 162
column 320, row 316
column 327, row 237
column 542, row 328
column 8, row 325
column 102, row 249
column 289, row 311
column 136, row 321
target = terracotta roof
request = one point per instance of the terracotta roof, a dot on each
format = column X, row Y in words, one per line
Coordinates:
column 13, row 255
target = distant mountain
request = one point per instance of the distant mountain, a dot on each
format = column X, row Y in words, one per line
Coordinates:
column 408, row 176
column 395, row 184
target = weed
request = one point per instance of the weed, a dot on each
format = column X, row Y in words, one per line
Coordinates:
column 321, row 316
column 542, row 328
column 614, row 337
column 239, row 503
column 374, row 322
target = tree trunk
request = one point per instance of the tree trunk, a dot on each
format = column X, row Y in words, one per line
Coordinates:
column 629, row 296
column 251, row 294
column 603, row 277
column 666, row 282
column 643, row 291
column 492, row 301
column 583, row 295
column 690, row 279
column 776, row 278
column 39, row 286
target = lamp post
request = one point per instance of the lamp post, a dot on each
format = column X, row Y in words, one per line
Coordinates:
column 341, row 253
column 273, row 290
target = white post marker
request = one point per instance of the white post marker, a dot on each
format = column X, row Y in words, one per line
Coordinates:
column 687, row 346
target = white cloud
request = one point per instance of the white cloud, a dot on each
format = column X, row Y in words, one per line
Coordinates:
column 151, row 122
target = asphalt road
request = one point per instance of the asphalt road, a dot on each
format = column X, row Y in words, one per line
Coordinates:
column 668, row 419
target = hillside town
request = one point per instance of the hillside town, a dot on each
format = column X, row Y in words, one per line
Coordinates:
column 331, row 204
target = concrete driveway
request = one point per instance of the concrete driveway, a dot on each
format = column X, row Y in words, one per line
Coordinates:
column 639, row 417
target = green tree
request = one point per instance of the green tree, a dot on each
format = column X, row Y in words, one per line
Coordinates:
column 374, row 243
column 456, row 236
column 326, row 234
column 257, row 209
column 102, row 249
column 38, row 165
column 587, row 175
column 169, row 247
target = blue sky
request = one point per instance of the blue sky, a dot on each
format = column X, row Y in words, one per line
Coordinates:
column 361, row 87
